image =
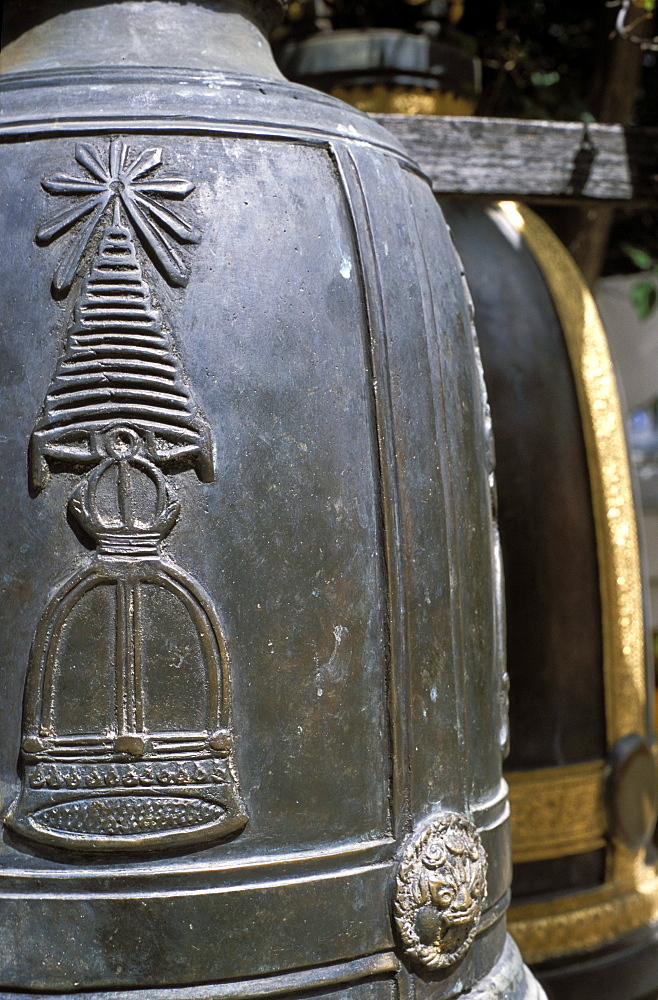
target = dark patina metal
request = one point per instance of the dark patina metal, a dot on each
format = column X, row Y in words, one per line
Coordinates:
column 581, row 766
column 250, row 670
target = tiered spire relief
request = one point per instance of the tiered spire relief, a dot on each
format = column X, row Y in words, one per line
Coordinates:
column 126, row 738
column 118, row 364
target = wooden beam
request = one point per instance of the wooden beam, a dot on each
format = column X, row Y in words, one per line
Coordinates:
column 562, row 162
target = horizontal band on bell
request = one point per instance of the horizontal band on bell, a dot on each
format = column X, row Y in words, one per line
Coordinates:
column 344, row 894
column 251, row 989
column 58, row 924
column 557, row 811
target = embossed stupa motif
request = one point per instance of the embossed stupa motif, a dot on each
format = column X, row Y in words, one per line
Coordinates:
column 126, row 736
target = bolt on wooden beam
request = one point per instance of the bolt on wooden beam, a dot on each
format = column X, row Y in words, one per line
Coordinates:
column 560, row 162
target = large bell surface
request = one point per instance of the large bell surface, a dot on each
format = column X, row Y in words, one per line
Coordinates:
column 252, row 692
column 581, row 769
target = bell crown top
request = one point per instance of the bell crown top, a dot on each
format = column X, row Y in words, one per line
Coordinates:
column 34, row 11
column 170, row 33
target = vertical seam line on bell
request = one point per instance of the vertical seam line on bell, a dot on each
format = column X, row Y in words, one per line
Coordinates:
column 376, row 354
column 434, row 360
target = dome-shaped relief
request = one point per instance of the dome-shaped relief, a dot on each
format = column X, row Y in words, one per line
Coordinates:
column 126, row 734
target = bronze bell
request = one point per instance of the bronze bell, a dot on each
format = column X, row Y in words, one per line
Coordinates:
column 252, row 691
column 581, row 773
column 581, row 770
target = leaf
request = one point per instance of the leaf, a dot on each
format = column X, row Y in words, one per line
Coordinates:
column 68, row 265
column 58, row 224
column 642, row 260
column 117, row 157
column 145, row 162
column 170, row 187
column 88, row 158
column 171, row 264
column 177, row 226
column 540, row 79
column 644, row 296
column 66, row 184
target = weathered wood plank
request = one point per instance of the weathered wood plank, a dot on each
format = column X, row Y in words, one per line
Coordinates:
column 508, row 157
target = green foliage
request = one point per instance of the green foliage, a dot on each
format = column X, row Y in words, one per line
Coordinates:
column 539, row 56
column 642, row 260
column 648, row 5
column 544, row 79
column 643, row 294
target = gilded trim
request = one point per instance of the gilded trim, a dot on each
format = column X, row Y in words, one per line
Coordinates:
column 586, row 921
column 379, row 99
column 628, row 899
column 557, row 811
column 612, row 496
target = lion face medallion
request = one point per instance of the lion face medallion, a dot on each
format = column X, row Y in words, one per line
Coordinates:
column 441, row 886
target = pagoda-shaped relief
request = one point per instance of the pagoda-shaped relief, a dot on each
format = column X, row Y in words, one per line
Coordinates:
column 126, row 738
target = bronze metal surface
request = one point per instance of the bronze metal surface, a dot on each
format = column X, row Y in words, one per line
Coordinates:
column 249, row 608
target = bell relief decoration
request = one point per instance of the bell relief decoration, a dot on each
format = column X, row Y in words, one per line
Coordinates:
column 440, row 891
column 126, row 739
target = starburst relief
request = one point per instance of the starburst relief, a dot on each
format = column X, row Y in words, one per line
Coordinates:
column 128, row 186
